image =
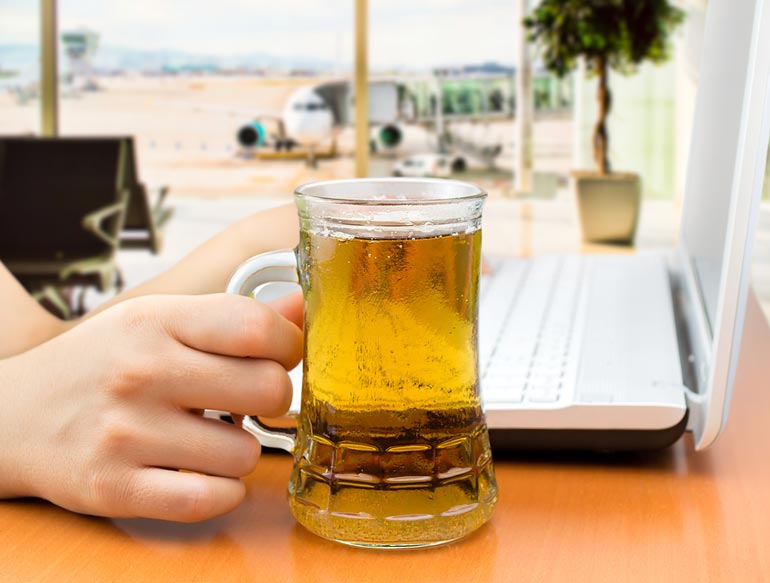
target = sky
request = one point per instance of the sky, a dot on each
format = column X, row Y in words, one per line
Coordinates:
column 403, row 33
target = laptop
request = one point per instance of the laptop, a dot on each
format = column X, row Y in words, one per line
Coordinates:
column 609, row 352
column 628, row 352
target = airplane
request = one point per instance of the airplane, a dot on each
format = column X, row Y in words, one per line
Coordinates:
column 306, row 119
column 315, row 114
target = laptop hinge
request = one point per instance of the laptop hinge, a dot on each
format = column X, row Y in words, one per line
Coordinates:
column 686, row 329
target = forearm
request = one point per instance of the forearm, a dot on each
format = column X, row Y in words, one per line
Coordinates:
column 208, row 268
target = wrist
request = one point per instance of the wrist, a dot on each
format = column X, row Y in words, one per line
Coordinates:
column 15, row 456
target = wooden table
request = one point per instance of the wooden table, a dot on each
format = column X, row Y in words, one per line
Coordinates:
column 676, row 515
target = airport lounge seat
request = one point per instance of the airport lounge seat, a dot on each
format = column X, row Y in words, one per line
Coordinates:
column 54, row 301
column 145, row 219
column 62, row 203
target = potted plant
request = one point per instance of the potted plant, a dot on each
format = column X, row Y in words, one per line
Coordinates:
column 606, row 34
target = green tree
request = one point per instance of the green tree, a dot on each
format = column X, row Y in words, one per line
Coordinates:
column 617, row 34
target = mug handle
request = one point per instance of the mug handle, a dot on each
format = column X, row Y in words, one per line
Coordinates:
column 251, row 275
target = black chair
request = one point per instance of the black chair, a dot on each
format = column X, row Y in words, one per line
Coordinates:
column 145, row 220
column 62, row 204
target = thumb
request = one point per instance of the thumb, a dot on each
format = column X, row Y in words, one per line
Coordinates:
column 290, row 307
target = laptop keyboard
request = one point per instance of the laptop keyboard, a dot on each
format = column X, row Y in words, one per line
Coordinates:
column 535, row 316
column 531, row 311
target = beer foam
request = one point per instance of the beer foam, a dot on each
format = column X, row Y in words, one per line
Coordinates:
column 391, row 225
column 390, row 208
column 325, row 231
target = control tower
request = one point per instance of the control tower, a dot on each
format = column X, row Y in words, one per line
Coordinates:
column 80, row 46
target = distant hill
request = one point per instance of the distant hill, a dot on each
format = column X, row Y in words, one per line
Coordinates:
column 17, row 57
column 20, row 57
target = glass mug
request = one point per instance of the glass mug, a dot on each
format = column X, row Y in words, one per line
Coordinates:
column 391, row 447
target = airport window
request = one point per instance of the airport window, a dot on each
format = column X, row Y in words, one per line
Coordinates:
column 222, row 96
column 214, row 97
column 454, row 64
column 19, row 67
column 209, row 92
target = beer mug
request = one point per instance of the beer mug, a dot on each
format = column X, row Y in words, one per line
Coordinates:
column 391, row 447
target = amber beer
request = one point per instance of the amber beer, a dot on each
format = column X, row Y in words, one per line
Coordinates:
column 392, row 447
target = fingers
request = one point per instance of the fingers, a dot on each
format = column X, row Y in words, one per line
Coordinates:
column 180, row 496
column 182, row 353
column 230, row 325
column 201, row 445
column 291, row 307
column 238, row 385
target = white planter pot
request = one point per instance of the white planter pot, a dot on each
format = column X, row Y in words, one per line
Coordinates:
column 608, row 206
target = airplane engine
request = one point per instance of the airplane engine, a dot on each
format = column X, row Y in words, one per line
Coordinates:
column 252, row 135
column 459, row 165
column 390, row 136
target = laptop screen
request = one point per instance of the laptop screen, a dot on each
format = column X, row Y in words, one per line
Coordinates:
column 731, row 129
column 712, row 160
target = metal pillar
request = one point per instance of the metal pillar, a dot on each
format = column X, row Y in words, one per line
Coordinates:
column 524, row 108
column 49, row 98
column 362, row 90
column 440, row 127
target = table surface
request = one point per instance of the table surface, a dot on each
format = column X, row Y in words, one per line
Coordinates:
column 675, row 515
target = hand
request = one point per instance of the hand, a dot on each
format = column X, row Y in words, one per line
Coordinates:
column 99, row 419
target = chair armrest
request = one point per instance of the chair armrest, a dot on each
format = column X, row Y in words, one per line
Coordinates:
column 162, row 192
column 52, row 295
column 158, row 206
column 93, row 222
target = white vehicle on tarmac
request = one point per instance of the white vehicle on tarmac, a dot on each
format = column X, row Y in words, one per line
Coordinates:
column 426, row 165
